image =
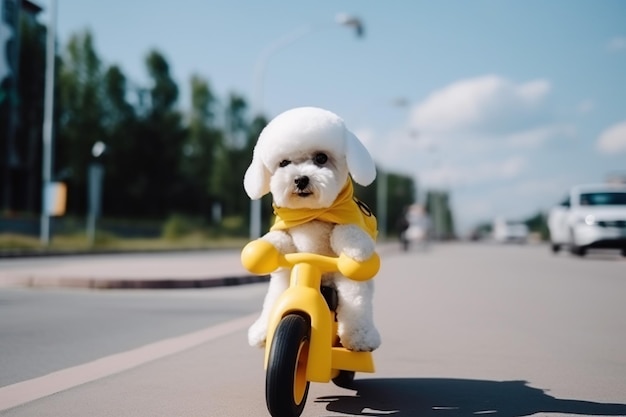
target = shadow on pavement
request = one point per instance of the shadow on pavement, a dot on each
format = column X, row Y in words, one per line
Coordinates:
column 457, row 397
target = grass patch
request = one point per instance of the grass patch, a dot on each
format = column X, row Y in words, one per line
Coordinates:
column 13, row 241
column 106, row 242
column 177, row 232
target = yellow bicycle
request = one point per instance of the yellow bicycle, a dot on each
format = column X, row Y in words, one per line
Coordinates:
column 302, row 344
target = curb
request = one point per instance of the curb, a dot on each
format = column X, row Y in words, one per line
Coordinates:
column 18, row 253
column 138, row 284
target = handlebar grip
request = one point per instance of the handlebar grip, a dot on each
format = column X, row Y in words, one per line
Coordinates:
column 359, row 271
column 260, row 257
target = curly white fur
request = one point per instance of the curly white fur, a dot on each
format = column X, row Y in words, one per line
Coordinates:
column 289, row 148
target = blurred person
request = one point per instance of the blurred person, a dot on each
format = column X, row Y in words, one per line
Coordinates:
column 401, row 225
column 415, row 227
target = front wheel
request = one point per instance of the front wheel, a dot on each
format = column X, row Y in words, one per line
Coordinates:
column 574, row 249
column 286, row 386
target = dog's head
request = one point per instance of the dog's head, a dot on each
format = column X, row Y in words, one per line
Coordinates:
column 304, row 157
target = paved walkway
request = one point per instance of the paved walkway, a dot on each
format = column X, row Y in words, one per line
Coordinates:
column 192, row 269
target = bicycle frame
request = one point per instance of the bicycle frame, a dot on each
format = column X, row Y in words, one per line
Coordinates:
column 325, row 357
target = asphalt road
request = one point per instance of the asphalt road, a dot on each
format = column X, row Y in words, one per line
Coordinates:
column 48, row 330
column 467, row 330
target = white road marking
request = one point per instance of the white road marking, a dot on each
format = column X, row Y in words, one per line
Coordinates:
column 36, row 388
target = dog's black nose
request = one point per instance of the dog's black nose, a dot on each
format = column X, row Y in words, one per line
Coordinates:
column 302, row 182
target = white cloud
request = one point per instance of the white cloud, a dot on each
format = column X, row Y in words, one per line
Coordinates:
column 533, row 91
column 481, row 138
column 617, row 44
column 448, row 175
column 613, row 139
column 470, row 117
column 471, row 132
column 534, row 138
column 511, row 167
column 488, row 104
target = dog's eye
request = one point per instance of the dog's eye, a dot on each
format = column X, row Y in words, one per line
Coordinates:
column 284, row 163
column 320, row 158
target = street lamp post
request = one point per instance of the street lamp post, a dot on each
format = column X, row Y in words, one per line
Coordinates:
column 259, row 79
column 95, row 175
column 46, row 167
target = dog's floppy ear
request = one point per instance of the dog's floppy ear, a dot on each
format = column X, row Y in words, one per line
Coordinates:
column 256, row 181
column 360, row 162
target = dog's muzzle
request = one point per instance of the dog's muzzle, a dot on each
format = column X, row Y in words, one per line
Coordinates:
column 302, row 186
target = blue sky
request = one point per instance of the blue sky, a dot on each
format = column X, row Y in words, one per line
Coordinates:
column 507, row 103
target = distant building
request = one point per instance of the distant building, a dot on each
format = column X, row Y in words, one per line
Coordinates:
column 440, row 212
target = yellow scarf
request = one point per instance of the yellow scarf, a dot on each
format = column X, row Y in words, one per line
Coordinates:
column 346, row 209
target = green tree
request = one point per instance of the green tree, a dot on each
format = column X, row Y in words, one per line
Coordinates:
column 120, row 125
column 81, row 118
column 202, row 149
column 156, row 162
column 164, row 92
column 267, row 212
column 238, row 153
column 400, row 194
column 156, row 188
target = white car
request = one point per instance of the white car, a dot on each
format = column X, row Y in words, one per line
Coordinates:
column 591, row 216
column 510, row 231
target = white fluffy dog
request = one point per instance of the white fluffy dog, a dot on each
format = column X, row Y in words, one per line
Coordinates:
column 305, row 158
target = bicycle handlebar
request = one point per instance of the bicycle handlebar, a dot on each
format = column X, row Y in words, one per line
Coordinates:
column 261, row 257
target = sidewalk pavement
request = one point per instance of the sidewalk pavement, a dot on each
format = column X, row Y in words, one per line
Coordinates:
column 164, row 270
column 192, row 269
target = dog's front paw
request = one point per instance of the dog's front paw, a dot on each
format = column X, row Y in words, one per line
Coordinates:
column 363, row 339
column 281, row 241
column 360, row 254
column 257, row 333
column 352, row 241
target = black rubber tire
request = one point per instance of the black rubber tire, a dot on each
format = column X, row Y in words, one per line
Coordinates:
column 344, row 379
column 579, row 251
column 286, row 367
column 555, row 248
column 574, row 249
